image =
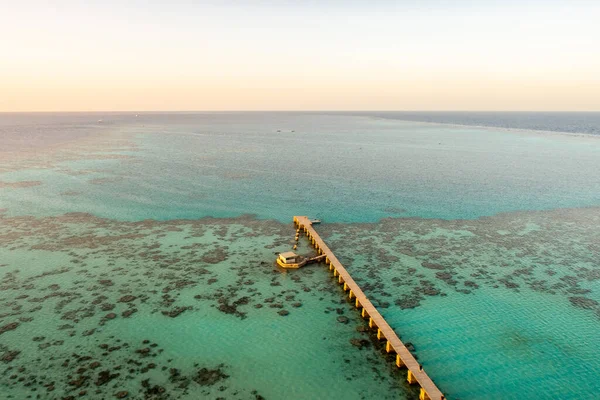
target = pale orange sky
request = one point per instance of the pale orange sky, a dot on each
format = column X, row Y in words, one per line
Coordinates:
column 528, row 55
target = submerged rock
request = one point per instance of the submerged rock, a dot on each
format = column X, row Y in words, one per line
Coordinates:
column 127, row 299
column 208, row 377
column 9, row 356
column 128, row 313
column 174, row 312
column 155, row 390
column 80, row 381
column 242, row 301
column 8, row 327
column 407, row 302
column 107, row 306
column 432, row 265
column 583, row 302
column 227, row 308
column 144, row 351
column 360, row 343
column 105, row 377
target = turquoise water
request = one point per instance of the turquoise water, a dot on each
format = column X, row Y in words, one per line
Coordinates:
column 480, row 246
column 498, row 345
column 341, row 168
column 498, row 307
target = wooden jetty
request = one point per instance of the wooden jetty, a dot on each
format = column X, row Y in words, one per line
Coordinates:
column 404, row 358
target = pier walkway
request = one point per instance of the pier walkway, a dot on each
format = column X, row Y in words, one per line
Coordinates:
column 404, row 358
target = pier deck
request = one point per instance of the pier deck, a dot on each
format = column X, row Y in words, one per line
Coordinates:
column 404, row 358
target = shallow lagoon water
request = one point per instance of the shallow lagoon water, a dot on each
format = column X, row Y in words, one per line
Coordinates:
column 499, row 298
column 496, row 307
column 191, row 288
column 497, row 345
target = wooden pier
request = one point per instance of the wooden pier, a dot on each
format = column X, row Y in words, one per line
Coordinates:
column 404, row 358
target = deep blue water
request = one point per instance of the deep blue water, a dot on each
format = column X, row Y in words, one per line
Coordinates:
column 570, row 122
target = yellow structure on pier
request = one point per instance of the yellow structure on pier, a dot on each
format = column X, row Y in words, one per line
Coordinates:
column 404, row 358
column 290, row 260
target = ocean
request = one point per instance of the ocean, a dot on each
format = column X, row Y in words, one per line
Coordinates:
column 137, row 253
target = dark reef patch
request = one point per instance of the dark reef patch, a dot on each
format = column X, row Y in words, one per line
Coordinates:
column 209, row 377
column 583, row 302
column 8, row 327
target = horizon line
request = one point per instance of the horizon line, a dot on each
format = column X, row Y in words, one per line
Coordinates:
column 283, row 111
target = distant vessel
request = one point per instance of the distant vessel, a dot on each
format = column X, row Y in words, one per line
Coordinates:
column 100, row 121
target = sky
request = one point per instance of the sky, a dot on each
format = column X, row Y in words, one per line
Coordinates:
column 150, row 55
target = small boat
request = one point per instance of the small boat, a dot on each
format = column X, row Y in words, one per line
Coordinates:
column 315, row 221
